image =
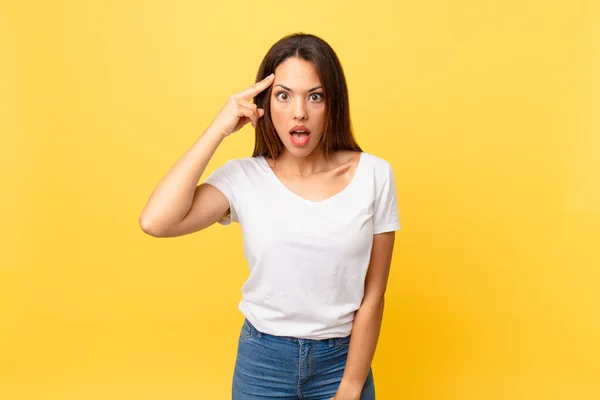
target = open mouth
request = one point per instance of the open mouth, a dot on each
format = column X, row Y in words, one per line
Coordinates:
column 299, row 135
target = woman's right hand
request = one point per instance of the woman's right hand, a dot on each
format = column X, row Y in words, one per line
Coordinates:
column 238, row 110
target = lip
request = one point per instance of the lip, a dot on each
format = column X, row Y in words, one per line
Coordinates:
column 300, row 142
column 300, row 128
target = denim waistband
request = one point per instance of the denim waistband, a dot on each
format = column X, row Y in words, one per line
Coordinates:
column 290, row 338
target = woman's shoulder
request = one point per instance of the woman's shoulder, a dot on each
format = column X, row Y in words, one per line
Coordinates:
column 365, row 161
column 241, row 162
column 240, row 167
column 372, row 161
column 376, row 162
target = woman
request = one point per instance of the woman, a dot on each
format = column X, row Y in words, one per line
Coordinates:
column 318, row 217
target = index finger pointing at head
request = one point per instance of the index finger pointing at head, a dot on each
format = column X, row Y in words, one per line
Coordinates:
column 256, row 88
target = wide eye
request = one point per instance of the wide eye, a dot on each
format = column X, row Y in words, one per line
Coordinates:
column 280, row 94
column 319, row 96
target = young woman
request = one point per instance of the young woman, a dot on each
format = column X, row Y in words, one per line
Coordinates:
column 318, row 217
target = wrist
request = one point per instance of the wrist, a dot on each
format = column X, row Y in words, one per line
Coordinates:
column 215, row 133
column 350, row 389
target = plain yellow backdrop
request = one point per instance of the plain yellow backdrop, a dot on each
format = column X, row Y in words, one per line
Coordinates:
column 487, row 110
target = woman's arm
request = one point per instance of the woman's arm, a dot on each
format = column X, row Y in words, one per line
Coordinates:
column 172, row 198
column 367, row 320
column 178, row 205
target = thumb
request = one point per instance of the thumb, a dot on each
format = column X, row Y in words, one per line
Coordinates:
column 261, row 112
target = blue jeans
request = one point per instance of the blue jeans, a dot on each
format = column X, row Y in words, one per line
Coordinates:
column 288, row 368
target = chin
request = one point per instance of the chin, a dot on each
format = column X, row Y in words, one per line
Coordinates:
column 298, row 151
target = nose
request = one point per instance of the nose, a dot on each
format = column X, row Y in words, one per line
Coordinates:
column 300, row 110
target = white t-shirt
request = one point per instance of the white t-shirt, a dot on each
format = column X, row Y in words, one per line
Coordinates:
column 308, row 260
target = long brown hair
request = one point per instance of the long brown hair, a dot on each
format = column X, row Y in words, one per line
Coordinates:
column 338, row 127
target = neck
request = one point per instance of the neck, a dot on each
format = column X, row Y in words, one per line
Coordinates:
column 315, row 162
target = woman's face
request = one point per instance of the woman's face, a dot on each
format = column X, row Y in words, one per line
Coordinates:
column 298, row 104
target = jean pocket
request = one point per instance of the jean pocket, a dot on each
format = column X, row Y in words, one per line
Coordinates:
column 248, row 331
column 342, row 341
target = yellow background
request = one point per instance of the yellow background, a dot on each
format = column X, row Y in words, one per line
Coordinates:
column 488, row 111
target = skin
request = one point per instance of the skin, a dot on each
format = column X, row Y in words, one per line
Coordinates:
column 299, row 105
column 179, row 206
column 300, row 169
column 297, row 98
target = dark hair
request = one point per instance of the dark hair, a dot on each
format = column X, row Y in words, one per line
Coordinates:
column 338, row 127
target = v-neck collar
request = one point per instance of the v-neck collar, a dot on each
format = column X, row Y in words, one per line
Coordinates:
column 274, row 177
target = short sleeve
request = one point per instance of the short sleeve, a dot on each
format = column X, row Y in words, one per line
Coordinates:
column 224, row 178
column 385, row 213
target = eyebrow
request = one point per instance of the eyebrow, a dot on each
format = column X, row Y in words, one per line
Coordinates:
column 309, row 90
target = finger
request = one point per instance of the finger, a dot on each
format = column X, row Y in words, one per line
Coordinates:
column 248, row 104
column 256, row 88
column 244, row 111
column 259, row 111
column 252, row 107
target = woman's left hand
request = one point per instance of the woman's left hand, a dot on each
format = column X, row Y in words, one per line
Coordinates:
column 341, row 396
column 348, row 391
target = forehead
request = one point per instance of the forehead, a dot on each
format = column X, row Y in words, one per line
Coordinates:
column 296, row 72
